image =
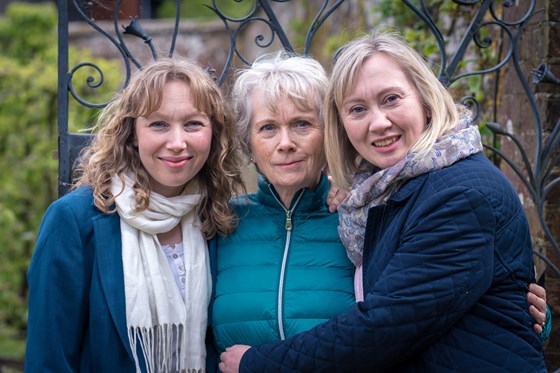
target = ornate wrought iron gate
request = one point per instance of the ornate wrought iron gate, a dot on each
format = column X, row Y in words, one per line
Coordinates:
column 537, row 172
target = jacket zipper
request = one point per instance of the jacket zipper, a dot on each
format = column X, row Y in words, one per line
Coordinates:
column 289, row 226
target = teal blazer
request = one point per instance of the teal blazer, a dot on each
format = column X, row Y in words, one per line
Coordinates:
column 77, row 319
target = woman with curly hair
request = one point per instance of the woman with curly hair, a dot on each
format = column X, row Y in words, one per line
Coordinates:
column 120, row 277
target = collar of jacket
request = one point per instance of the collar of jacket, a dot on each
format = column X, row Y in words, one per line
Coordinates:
column 409, row 187
column 310, row 201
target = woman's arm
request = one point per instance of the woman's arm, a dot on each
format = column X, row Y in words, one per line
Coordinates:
column 438, row 272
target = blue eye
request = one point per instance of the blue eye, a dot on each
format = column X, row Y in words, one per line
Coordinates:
column 267, row 127
column 302, row 123
column 158, row 124
column 357, row 109
column 391, row 98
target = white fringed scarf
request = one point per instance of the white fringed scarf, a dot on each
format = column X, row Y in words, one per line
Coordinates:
column 169, row 331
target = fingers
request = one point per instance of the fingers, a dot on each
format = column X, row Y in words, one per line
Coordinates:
column 539, row 303
column 335, row 196
column 538, row 328
column 539, row 291
column 540, row 318
column 223, row 359
column 231, row 357
column 333, row 203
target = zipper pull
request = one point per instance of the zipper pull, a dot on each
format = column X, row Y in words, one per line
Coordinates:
column 288, row 220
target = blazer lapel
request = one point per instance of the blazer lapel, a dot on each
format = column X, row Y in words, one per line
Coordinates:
column 110, row 267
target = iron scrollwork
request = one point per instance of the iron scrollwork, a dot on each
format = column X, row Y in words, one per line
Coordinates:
column 536, row 176
column 536, row 172
column 262, row 12
column 70, row 143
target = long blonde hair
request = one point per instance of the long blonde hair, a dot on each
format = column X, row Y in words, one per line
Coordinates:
column 342, row 157
column 112, row 151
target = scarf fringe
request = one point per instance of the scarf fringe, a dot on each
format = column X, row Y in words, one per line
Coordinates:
column 159, row 347
column 169, row 333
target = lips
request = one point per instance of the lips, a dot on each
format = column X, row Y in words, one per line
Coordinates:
column 287, row 164
column 386, row 142
column 175, row 162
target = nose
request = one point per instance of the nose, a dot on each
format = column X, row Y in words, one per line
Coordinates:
column 177, row 139
column 286, row 141
column 379, row 120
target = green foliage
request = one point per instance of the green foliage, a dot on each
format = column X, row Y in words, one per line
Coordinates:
column 12, row 346
column 28, row 138
column 25, row 29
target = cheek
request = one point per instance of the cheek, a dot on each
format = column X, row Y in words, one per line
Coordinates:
column 351, row 132
column 261, row 158
column 208, row 139
column 259, row 148
column 318, row 149
column 143, row 139
column 205, row 145
column 421, row 127
column 147, row 148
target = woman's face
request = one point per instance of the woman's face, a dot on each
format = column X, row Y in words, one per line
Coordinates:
column 287, row 145
column 383, row 115
column 174, row 141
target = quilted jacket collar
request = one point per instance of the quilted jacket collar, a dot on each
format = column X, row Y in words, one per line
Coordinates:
column 408, row 188
column 311, row 200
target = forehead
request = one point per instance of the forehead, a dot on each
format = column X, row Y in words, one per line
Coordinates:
column 381, row 67
column 377, row 73
column 282, row 101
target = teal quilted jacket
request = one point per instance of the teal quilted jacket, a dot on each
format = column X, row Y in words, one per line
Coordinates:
column 283, row 271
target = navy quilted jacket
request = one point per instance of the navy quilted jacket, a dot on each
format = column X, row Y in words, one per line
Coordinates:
column 447, row 263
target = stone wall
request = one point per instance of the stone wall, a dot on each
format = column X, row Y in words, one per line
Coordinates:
column 540, row 43
column 205, row 42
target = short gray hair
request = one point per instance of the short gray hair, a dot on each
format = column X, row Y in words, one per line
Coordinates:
column 276, row 75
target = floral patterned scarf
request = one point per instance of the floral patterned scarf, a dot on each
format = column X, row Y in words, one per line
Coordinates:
column 372, row 187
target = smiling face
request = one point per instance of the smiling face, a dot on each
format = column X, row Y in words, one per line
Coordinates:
column 174, row 141
column 287, row 145
column 383, row 114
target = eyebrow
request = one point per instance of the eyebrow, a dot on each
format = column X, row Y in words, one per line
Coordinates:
column 384, row 91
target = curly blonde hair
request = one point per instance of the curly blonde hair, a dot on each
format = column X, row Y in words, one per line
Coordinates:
column 112, row 151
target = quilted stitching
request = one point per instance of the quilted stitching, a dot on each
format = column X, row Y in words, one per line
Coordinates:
column 473, row 318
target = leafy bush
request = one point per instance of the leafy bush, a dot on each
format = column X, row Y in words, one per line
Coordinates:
column 28, row 139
